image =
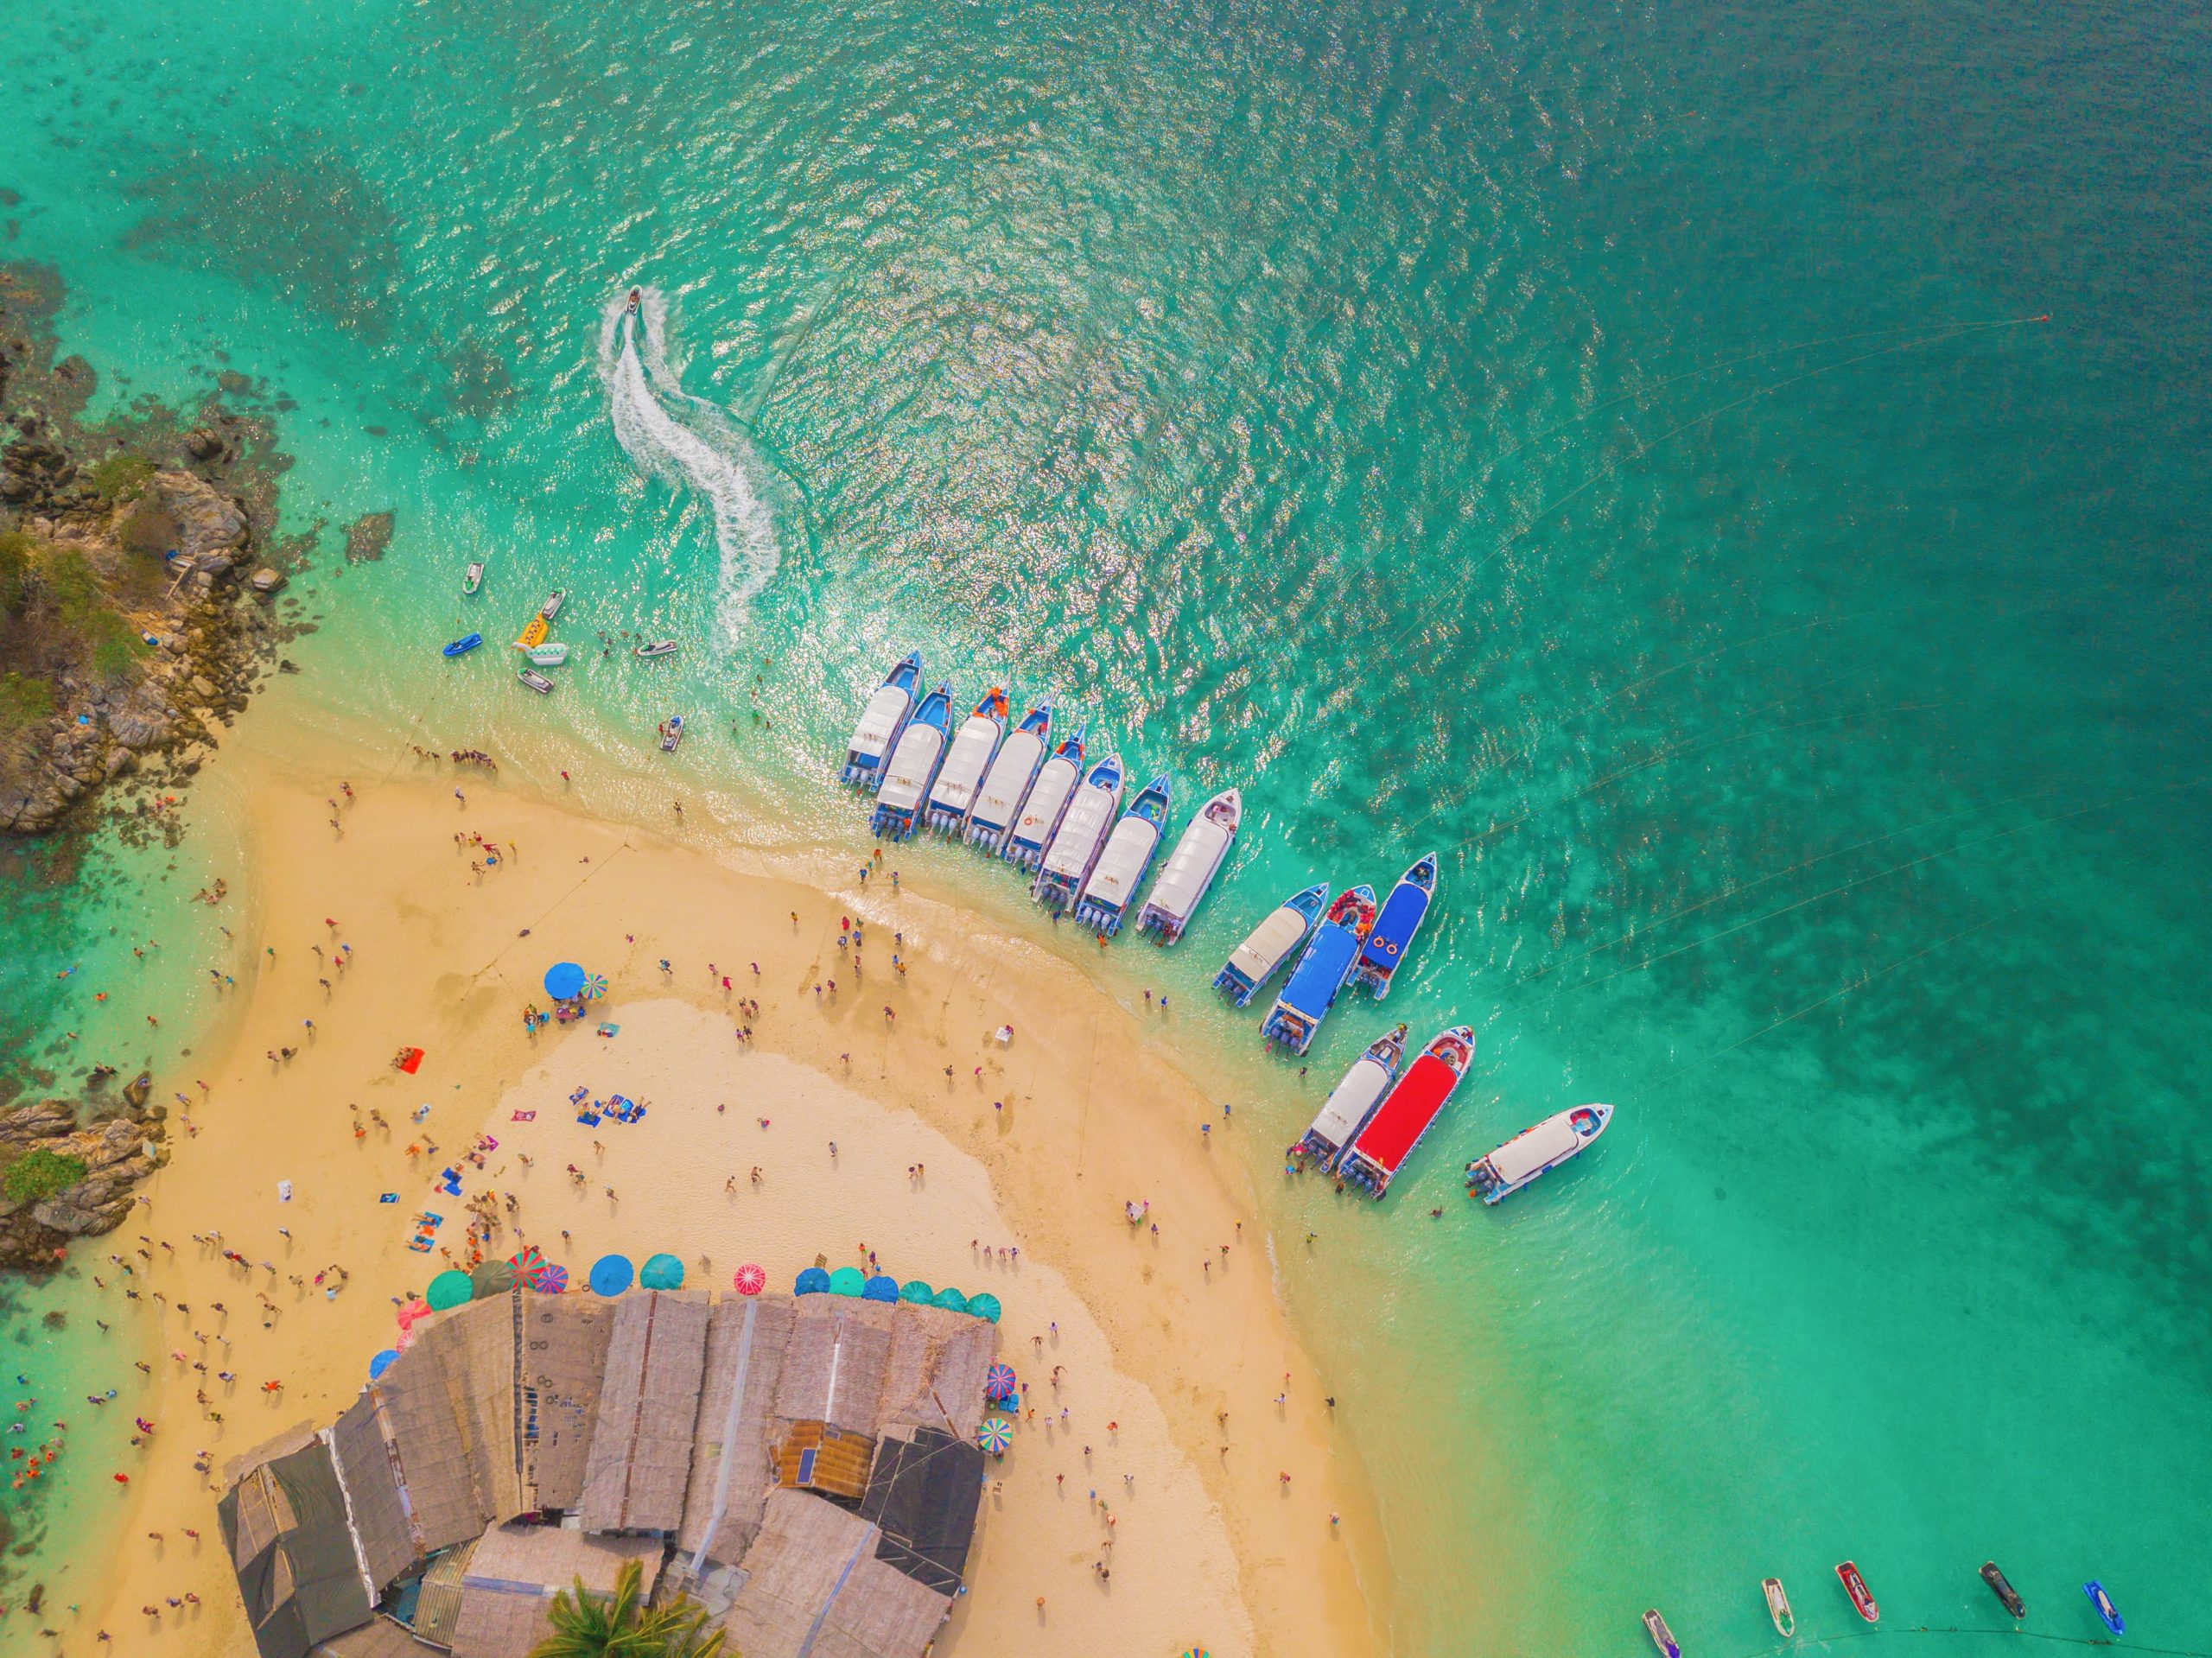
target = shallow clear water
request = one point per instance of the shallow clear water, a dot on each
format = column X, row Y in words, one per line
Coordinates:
column 1609, row 446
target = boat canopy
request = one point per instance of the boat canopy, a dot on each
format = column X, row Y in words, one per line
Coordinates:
column 1529, row 1154
column 1000, row 795
column 1405, row 1117
column 1122, row 864
column 1040, row 813
column 1350, row 1101
column 912, row 766
column 1396, row 926
column 1190, row 866
column 1273, row 939
column 964, row 763
column 1321, row 971
column 884, row 709
column 1069, row 858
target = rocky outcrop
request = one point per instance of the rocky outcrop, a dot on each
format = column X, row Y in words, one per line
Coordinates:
column 117, row 1152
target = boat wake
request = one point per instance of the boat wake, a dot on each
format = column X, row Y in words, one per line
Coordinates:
column 688, row 443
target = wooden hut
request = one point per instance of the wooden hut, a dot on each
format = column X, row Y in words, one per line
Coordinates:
column 640, row 1457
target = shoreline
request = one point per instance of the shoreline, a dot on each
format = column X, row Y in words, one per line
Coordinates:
column 1082, row 1088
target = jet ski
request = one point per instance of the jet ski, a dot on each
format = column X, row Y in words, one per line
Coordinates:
column 2106, row 1609
column 635, row 295
column 2003, row 1590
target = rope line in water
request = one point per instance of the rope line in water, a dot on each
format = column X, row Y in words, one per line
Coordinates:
column 1962, row 1629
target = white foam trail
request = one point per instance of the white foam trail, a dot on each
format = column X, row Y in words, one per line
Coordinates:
column 690, row 443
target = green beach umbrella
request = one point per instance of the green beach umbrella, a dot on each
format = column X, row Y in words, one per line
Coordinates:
column 985, row 1306
column 848, row 1281
column 447, row 1289
column 915, row 1291
column 950, row 1299
column 662, row 1272
column 492, row 1278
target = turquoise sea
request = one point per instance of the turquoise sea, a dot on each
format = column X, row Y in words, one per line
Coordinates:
column 1615, row 446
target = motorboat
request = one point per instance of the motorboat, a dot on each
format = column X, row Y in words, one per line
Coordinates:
column 536, row 681
column 1661, row 1636
column 1380, row 1150
column 1395, row 924
column 2000, row 1586
column 1271, row 943
column 1350, row 1103
column 970, row 756
column 1111, row 886
column 1081, row 836
column 463, row 646
column 882, row 720
column 554, row 600
column 1199, row 853
column 912, row 766
column 1012, row 770
column 2106, row 1609
column 657, row 648
column 1045, row 805
column 1855, row 1586
column 1536, row 1150
column 1777, row 1607
column 1321, row 971
column 671, row 733
column 473, row 577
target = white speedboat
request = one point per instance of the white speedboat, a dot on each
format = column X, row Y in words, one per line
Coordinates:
column 889, row 707
column 1075, row 846
column 965, row 762
column 1199, row 853
column 998, row 797
column 1536, row 1150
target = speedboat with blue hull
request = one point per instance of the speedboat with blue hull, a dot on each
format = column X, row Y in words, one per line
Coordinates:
column 1321, row 971
column 1395, row 924
column 965, row 762
column 1271, row 943
column 998, row 797
column 1082, row 835
column 1045, row 805
column 1111, row 886
column 1190, row 870
column 889, row 707
column 912, row 766
column 1350, row 1104
column 2106, row 1609
column 1536, row 1150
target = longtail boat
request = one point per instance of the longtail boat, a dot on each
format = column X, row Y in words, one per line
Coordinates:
column 1777, row 1607
column 1350, row 1103
column 889, row 707
column 1045, row 805
column 1271, row 943
column 1395, row 924
column 1536, row 1150
column 965, row 762
column 1199, row 853
column 1380, row 1149
column 1084, row 827
column 1855, row 1586
column 998, row 797
column 914, row 763
column 1321, row 971
column 1111, row 886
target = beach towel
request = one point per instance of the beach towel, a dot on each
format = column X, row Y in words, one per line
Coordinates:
column 524, row 1117
column 589, row 1119
column 579, row 1097
column 389, row 1198
column 412, row 1062
column 610, row 1030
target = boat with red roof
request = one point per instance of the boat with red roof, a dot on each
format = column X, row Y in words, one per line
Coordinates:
column 1380, row 1149
column 1861, row 1595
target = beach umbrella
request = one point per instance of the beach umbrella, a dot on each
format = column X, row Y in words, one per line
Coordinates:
column 1000, row 1381
column 416, row 1309
column 995, row 1434
column 985, row 1306
column 611, row 1274
column 846, row 1281
column 915, row 1291
column 447, row 1289
column 548, row 1278
column 750, row 1279
column 812, row 1282
column 382, row 1363
column 563, row 979
column 595, row 987
column 882, row 1287
column 662, row 1272
column 950, row 1299
column 526, row 1260
column 491, row 1278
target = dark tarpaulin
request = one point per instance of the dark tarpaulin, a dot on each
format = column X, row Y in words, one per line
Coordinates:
column 923, row 1495
column 303, row 1583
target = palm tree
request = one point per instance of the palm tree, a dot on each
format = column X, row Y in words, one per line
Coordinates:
column 586, row 1625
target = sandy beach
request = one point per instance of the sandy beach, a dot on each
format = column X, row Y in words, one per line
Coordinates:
column 1173, row 1434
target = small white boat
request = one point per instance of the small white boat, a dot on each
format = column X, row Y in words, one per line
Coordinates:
column 1271, row 943
column 965, row 762
column 473, row 577
column 912, row 766
column 1045, row 805
column 1111, row 885
column 1191, row 868
column 1536, row 1150
column 998, row 797
column 536, row 681
column 1777, row 1607
column 657, row 648
column 551, row 607
column 1350, row 1103
column 1082, row 833
column 671, row 733
column 1661, row 1636
column 889, row 707
column 548, row 656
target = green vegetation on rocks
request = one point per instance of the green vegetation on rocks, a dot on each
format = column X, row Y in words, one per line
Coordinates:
column 39, row 1174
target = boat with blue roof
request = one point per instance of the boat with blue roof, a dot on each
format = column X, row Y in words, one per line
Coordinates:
column 890, row 705
column 1081, row 836
column 1199, row 853
column 1111, row 886
column 1350, row 1104
column 1321, row 971
column 1395, row 924
column 912, row 766
column 965, row 762
column 1044, row 805
column 1271, row 943
column 1012, row 769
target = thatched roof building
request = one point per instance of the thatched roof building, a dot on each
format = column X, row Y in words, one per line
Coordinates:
column 640, row 1459
column 730, row 1477
column 814, row 1589
column 516, row 1570
column 283, row 1521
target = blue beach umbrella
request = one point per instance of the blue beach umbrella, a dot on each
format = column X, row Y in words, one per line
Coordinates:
column 812, row 1282
column 382, row 1363
column 611, row 1274
column 985, row 1306
column 950, row 1299
column 662, row 1272
column 882, row 1287
column 563, row 979
column 846, row 1281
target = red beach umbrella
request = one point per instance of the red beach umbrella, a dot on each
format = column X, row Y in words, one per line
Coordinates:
column 751, row 1279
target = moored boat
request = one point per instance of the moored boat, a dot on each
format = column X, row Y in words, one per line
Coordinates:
column 1395, row 924
column 533, row 633
column 1350, row 1103
column 554, row 600
column 1075, row 844
column 473, row 577
column 2106, row 1609
column 1198, row 854
column 2002, row 1588
column 1271, row 943
column 671, row 733
column 657, row 648
column 1380, row 1150
column 1111, row 885
column 1536, row 1150
column 882, row 722
column 1661, row 1636
column 1012, row 769
column 1777, row 1607
column 1321, row 971
column 548, row 656
column 1045, row 805
column 1861, row 1595
column 913, row 764
column 965, row 762
column 536, row 681
column 463, row 646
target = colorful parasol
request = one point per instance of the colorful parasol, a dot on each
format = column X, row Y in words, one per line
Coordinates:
column 1000, row 1383
column 595, row 987
column 526, row 1260
column 750, row 1279
column 548, row 1278
column 994, row 1435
